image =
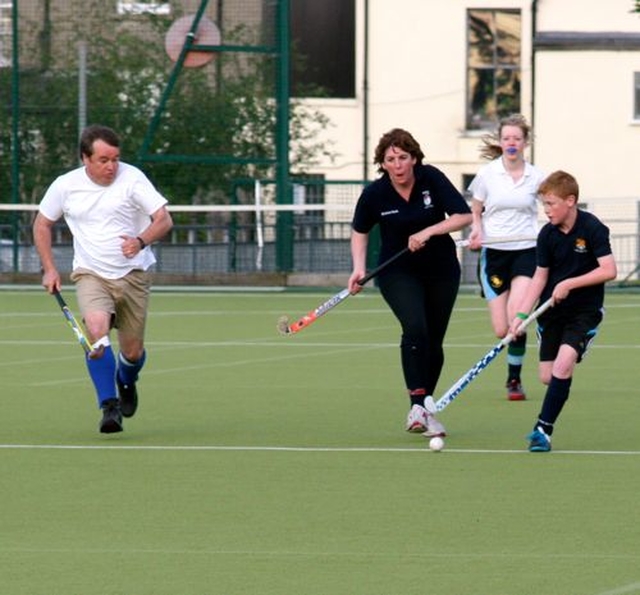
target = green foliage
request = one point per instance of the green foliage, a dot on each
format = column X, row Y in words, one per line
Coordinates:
column 224, row 109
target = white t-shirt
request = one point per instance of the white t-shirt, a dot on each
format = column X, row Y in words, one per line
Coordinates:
column 98, row 215
column 510, row 208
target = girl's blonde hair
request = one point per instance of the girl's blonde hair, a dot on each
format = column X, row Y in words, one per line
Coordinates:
column 491, row 148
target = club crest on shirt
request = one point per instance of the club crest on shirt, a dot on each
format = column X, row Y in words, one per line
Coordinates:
column 580, row 246
column 426, row 199
column 495, row 281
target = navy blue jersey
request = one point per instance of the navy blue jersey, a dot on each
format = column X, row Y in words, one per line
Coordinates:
column 433, row 197
column 573, row 254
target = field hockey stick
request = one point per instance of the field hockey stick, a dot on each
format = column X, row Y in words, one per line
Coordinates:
column 462, row 383
column 284, row 328
column 492, row 241
column 76, row 327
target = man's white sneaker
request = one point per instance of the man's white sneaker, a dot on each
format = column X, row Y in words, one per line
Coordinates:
column 417, row 419
column 434, row 427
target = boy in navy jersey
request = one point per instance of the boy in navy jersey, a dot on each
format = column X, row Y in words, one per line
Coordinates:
column 574, row 261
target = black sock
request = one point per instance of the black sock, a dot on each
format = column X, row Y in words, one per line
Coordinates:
column 417, row 396
column 514, row 372
column 554, row 400
column 544, row 426
column 515, row 354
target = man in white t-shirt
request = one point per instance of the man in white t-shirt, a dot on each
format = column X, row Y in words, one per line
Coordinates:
column 114, row 214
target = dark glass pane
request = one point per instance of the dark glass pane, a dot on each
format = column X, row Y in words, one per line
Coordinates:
column 323, row 48
column 481, row 101
column 507, row 92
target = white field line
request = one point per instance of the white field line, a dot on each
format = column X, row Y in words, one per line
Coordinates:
column 284, row 342
column 312, row 449
column 427, row 556
column 625, row 590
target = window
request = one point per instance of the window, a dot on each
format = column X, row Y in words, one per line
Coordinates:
column 493, row 66
column 636, row 95
column 323, row 37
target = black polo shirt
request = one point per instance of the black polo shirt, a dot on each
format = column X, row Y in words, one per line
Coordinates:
column 573, row 254
column 433, row 197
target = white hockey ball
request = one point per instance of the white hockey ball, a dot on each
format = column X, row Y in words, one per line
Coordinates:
column 436, row 444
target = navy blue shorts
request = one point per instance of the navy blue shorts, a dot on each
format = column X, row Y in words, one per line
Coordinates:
column 578, row 329
column 496, row 268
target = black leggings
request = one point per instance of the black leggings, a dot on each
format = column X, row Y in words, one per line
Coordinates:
column 423, row 307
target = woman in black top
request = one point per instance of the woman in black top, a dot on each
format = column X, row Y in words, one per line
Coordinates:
column 415, row 205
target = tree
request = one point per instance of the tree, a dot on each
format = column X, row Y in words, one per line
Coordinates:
column 226, row 108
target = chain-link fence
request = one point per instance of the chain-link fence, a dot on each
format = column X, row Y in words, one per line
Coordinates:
column 198, row 90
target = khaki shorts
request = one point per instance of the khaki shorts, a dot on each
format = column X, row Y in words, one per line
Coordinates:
column 126, row 299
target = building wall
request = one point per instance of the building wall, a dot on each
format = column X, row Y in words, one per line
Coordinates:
column 417, row 57
column 417, row 74
column 584, row 123
column 578, row 15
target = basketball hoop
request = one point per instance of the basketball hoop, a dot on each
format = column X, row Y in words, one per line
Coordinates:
column 207, row 33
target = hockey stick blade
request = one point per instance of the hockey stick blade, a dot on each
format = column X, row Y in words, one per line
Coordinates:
column 283, row 326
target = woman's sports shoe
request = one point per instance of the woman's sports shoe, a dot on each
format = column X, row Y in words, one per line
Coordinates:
column 434, row 427
column 417, row 419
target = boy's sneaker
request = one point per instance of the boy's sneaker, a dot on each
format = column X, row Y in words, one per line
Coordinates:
column 111, row 417
column 515, row 392
column 128, row 398
column 539, row 441
column 417, row 419
column 434, row 427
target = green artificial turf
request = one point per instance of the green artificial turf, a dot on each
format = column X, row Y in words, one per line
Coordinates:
column 268, row 465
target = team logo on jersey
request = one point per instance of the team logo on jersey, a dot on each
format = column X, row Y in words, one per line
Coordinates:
column 426, row 199
column 580, row 246
column 495, row 281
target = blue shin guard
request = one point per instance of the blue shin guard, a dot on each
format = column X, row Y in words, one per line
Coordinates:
column 128, row 371
column 103, row 374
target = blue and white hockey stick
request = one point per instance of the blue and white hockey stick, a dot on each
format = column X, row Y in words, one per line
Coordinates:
column 434, row 406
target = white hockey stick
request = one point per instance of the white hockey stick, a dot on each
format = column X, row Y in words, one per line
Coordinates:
column 493, row 241
column 462, row 383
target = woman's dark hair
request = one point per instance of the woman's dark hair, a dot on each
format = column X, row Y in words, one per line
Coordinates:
column 400, row 139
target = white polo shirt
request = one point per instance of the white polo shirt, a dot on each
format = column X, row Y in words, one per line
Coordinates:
column 510, row 208
column 99, row 215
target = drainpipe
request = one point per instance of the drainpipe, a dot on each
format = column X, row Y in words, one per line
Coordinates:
column 365, row 95
column 534, row 32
